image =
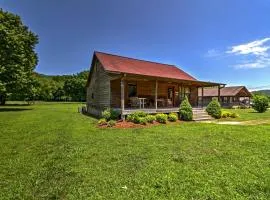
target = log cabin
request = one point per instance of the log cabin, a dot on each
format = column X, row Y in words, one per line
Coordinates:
column 229, row 96
column 129, row 84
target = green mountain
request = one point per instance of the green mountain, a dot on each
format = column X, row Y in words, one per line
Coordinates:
column 262, row 92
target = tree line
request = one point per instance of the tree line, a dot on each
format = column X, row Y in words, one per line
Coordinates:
column 54, row 88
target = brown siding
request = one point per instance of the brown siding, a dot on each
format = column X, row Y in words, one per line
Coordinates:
column 99, row 86
column 115, row 93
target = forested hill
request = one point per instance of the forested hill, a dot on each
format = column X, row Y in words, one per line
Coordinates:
column 262, row 92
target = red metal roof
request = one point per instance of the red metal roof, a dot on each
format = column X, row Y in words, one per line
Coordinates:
column 114, row 63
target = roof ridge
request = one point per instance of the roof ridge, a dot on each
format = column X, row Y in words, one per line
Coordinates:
column 171, row 65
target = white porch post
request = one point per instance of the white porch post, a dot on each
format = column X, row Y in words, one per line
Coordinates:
column 122, row 98
column 156, row 94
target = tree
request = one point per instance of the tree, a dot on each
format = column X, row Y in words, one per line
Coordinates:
column 17, row 56
column 214, row 109
column 185, row 110
column 75, row 88
column 260, row 103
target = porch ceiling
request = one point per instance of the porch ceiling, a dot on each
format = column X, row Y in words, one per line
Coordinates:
column 180, row 81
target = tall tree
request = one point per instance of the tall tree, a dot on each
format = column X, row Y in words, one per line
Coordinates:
column 17, row 55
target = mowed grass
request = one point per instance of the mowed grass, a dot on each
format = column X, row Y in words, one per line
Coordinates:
column 248, row 114
column 49, row 151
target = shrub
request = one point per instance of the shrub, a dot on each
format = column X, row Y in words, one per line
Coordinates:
column 111, row 123
column 172, row 117
column 140, row 113
column 142, row 120
column 109, row 114
column 114, row 114
column 135, row 117
column 106, row 114
column 185, row 110
column 234, row 115
column 102, row 122
column 214, row 109
column 150, row 118
column 130, row 118
column 161, row 118
column 260, row 103
column 225, row 114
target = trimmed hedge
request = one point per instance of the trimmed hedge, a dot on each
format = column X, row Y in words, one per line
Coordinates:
column 185, row 110
column 214, row 109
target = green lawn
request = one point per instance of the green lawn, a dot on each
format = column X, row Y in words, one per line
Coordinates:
column 49, row 151
column 249, row 114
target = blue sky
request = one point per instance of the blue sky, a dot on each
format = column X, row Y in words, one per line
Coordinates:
column 224, row 41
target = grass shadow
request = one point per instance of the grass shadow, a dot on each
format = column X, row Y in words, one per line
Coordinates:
column 3, row 109
column 18, row 105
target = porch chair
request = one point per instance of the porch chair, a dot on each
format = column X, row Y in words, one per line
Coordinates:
column 169, row 103
column 134, row 102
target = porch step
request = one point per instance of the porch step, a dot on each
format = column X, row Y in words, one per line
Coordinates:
column 199, row 114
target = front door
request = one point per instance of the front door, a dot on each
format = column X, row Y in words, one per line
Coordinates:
column 170, row 96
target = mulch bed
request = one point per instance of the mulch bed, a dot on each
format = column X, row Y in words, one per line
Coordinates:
column 125, row 124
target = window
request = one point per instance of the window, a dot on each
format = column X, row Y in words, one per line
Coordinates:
column 132, row 90
column 92, row 95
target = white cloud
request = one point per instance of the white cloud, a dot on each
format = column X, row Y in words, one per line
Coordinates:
column 254, row 55
column 256, row 48
column 212, row 53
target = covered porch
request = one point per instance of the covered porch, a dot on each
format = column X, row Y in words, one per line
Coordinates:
column 131, row 93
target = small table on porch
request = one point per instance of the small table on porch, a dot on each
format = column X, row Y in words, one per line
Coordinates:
column 142, row 102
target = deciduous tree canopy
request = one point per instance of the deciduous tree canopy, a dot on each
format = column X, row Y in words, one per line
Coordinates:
column 18, row 57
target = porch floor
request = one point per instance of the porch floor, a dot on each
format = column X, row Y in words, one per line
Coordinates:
column 127, row 111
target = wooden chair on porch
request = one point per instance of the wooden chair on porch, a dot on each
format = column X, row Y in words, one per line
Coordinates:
column 134, row 102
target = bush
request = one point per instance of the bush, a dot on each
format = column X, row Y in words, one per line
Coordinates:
column 102, row 122
column 150, row 118
column 106, row 114
column 185, row 110
column 234, row 115
column 172, row 117
column 142, row 120
column 225, row 114
column 161, row 118
column 111, row 123
column 214, row 109
column 135, row 117
column 130, row 118
column 260, row 103
column 114, row 114
column 109, row 114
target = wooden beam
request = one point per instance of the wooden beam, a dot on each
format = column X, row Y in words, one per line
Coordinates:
column 122, row 96
column 202, row 95
column 156, row 94
column 218, row 93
